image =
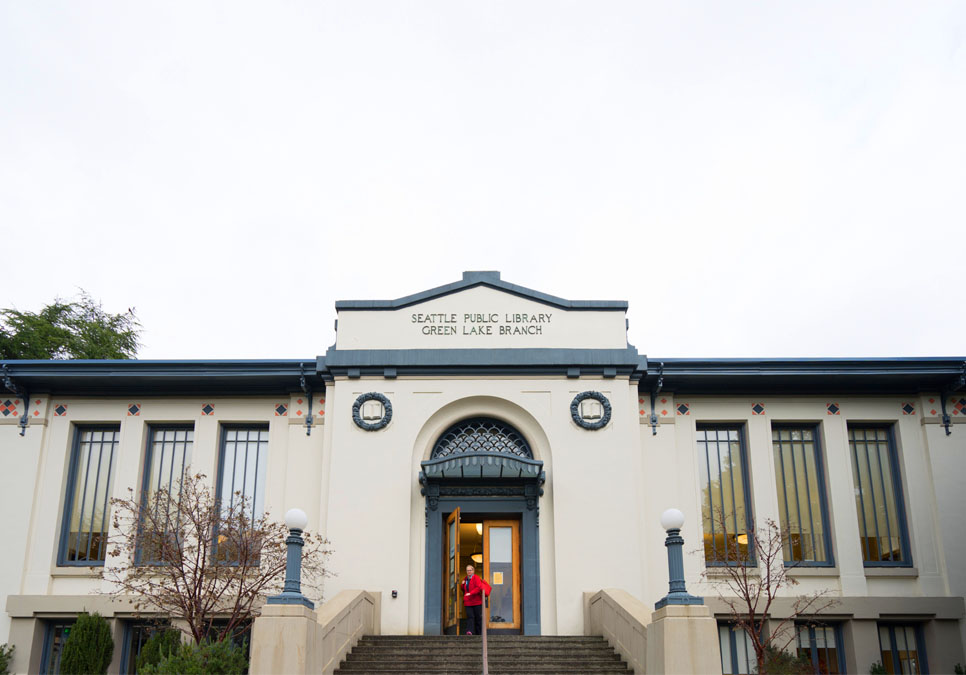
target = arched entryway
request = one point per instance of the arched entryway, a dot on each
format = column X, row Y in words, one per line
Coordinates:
column 482, row 475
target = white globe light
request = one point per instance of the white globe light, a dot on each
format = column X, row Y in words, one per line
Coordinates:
column 672, row 519
column 295, row 519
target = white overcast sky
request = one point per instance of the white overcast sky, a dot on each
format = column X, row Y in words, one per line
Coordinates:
column 756, row 179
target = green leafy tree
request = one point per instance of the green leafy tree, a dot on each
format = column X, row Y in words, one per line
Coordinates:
column 6, row 658
column 78, row 329
column 161, row 644
column 89, row 646
column 222, row 657
column 778, row 662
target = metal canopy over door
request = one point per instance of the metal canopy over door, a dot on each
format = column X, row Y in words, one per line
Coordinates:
column 452, row 572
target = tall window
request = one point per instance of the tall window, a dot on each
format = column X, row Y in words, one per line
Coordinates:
column 726, row 508
column 878, row 496
column 737, row 653
column 801, row 496
column 54, row 639
column 820, row 644
column 244, row 459
column 167, row 459
column 901, row 647
column 87, row 505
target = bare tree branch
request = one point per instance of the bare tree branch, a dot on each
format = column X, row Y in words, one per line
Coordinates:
column 750, row 581
column 184, row 554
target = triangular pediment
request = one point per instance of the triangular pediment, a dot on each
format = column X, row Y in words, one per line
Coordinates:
column 481, row 312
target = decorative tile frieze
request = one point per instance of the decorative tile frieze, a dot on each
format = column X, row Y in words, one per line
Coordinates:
column 908, row 408
column 134, row 409
column 208, row 409
column 10, row 407
column 298, row 407
column 281, row 410
column 683, row 409
column 758, row 409
column 60, row 410
column 833, row 408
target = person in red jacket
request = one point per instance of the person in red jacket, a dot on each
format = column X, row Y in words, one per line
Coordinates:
column 473, row 590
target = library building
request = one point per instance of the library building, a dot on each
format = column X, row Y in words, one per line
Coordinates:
column 483, row 423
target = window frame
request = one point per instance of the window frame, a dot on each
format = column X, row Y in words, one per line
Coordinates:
column 750, row 655
column 50, row 626
column 815, row 428
column 70, row 487
column 139, row 559
column 895, row 466
column 752, row 560
column 813, row 648
column 920, row 641
column 222, row 446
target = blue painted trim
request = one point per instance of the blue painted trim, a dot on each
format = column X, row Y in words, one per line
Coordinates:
column 745, row 477
column 357, row 411
column 69, row 495
column 530, row 554
column 406, row 360
column 575, row 410
column 823, row 495
column 490, row 279
column 900, row 496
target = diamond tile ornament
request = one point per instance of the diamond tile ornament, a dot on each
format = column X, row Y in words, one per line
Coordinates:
column 833, row 408
column 758, row 409
column 60, row 410
column 207, row 409
column 134, row 410
column 684, row 409
column 281, row 410
column 8, row 406
column 960, row 407
column 908, row 409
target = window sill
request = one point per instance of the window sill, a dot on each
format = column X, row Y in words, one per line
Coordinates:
column 812, row 571
column 78, row 571
column 717, row 572
column 902, row 572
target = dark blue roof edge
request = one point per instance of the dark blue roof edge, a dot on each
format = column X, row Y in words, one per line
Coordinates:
column 491, row 279
column 527, row 357
column 931, row 365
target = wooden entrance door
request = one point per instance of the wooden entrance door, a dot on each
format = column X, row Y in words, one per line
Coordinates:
column 451, row 573
column 501, row 568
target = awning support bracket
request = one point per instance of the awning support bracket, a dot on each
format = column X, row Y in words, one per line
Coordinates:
column 654, row 392
column 308, row 394
column 22, row 393
column 956, row 386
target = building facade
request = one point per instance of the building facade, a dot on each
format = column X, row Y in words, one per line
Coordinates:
column 489, row 423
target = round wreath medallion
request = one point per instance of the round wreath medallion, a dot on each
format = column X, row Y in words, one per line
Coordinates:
column 357, row 411
column 578, row 418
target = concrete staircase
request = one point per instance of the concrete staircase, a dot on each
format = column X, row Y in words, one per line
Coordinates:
column 463, row 654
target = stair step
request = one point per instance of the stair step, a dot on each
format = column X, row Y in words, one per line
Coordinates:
column 460, row 655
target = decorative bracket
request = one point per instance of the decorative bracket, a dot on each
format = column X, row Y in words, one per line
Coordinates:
column 22, row 393
column 654, row 392
column 308, row 394
column 956, row 386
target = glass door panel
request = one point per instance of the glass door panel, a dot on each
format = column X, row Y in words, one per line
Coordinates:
column 451, row 571
column 501, row 568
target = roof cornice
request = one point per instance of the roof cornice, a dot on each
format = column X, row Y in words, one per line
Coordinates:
column 490, row 279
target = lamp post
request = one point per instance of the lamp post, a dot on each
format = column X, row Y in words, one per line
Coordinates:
column 672, row 521
column 295, row 520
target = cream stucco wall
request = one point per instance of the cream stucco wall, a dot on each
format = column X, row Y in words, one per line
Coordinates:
column 598, row 517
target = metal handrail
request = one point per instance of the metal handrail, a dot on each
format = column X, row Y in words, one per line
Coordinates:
column 486, row 665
